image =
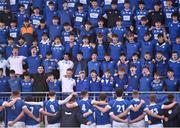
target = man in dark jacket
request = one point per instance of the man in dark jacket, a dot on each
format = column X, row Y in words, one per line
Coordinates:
column 39, row 84
column 79, row 64
column 68, row 116
column 172, row 116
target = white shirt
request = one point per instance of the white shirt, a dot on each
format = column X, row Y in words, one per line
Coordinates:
column 63, row 66
column 16, row 64
column 67, row 84
column 4, row 64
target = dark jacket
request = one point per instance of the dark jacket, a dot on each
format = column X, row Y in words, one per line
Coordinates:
column 83, row 65
column 69, row 117
column 39, row 84
column 173, row 115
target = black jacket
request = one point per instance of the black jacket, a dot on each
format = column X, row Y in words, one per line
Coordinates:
column 83, row 65
column 39, row 84
column 173, row 115
column 69, row 117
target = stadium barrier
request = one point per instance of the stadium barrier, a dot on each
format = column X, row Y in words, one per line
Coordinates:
column 41, row 96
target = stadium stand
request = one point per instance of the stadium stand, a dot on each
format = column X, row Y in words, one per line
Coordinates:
column 67, row 46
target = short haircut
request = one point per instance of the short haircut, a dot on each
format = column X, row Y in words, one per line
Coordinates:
column 135, row 92
column 52, row 93
column 12, row 72
column 102, row 96
column 152, row 98
column 83, row 93
column 119, row 92
column 15, row 93
column 170, row 97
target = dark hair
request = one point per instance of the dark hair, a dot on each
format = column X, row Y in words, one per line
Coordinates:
column 83, row 93
column 119, row 92
column 102, row 96
column 15, row 93
column 12, row 72
column 170, row 97
column 52, row 93
column 73, row 99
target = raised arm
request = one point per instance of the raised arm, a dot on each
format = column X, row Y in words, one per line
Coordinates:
column 95, row 102
column 61, row 102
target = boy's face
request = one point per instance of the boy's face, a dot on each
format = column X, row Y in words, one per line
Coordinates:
column 21, row 41
column 51, row 77
column 145, row 71
column 99, row 38
column 170, row 74
column 156, row 7
column 69, row 74
column 65, row 5
column 115, row 40
column 34, row 51
column 44, row 37
column 156, row 77
column 15, row 52
column 143, row 22
column 107, row 58
column 93, row 75
column 113, row 6
column 147, row 37
column 175, row 18
column 107, row 74
column 100, row 23
column 131, row 38
column 51, row 7
column 178, row 40
column 158, row 55
column 71, row 38
column 57, row 41
column 174, row 56
column 85, row 40
column 87, row 26
column 80, row 8
column 126, row 5
column 22, row 9
column 79, row 57
column 12, row 75
column 122, row 58
column 118, row 23
column 158, row 24
column 36, row 11
column 141, row 6
column 13, row 24
column 160, row 39
column 169, row 3
column 48, row 56
column 121, row 73
column 147, row 56
column 94, row 57
column 135, row 57
column 94, row 4
column 55, row 21
column 2, row 24
column 82, row 75
column 133, row 70
column 27, row 77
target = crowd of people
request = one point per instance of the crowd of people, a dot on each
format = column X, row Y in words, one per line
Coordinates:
column 89, row 113
column 89, row 46
column 96, row 45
